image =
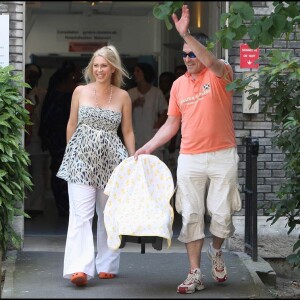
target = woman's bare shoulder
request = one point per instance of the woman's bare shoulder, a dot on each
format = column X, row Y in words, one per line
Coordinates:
column 81, row 87
column 122, row 93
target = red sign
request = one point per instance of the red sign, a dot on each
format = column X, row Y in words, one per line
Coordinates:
column 248, row 57
column 85, row 47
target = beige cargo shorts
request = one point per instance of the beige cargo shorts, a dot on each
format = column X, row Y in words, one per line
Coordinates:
column 207, row 184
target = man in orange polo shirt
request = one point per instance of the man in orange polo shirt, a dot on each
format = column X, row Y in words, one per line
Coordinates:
column 208, row 160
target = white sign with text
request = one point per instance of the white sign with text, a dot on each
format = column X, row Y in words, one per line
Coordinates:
column 4, row 40
column 88, row 35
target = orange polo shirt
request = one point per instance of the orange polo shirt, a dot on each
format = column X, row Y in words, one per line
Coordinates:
column 205, row 108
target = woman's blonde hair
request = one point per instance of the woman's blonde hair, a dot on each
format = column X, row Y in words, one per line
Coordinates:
column 112, row 56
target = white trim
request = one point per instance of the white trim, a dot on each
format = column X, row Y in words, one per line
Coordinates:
column 226, row 11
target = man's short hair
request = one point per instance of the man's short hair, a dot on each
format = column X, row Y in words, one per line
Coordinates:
column 201, row 37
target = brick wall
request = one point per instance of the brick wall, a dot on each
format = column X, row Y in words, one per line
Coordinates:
column 270, row 173
column 16, row 31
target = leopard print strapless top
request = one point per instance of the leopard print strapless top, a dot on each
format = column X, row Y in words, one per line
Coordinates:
column 95, row 149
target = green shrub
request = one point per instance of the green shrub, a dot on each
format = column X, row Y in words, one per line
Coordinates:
column 14, row 160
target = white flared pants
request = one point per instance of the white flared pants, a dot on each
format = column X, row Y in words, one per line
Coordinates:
column 80, row 251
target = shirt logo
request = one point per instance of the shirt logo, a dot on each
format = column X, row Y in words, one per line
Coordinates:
column 206, row 86
column 197, row 97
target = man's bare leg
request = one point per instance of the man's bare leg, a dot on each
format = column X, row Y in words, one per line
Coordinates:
column 217, row 242
column 219, row 271
column 194, row 253
column 194, row 280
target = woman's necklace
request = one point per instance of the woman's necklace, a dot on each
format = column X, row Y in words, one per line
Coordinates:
column 110, row 96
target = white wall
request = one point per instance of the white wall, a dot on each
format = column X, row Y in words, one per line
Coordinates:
column 138, row 34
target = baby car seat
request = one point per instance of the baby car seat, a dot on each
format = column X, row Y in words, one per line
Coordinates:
column 138, row 208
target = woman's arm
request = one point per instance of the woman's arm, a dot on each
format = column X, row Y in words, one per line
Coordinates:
column 73, row 119
column 126, row 125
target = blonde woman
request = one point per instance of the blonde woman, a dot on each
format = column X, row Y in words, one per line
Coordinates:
column 93, row 151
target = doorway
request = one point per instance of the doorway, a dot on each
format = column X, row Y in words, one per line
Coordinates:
column 131, row 36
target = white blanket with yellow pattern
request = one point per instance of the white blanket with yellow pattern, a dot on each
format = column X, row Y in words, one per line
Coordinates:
column 139, row 200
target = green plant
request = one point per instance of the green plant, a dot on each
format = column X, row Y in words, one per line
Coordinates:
column 14, row 160
column 163, row 11
column 260, row 30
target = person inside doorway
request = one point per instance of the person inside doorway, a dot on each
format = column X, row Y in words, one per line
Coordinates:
column 165, row 82
column 149, row 106
column 180, row 70
column 34, row 203
column 54, row 120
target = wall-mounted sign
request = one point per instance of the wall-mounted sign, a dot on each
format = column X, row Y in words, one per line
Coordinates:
column 4, row 40
column 88, row 35
column 248, row 57
column 85, row 46
column 248, row 107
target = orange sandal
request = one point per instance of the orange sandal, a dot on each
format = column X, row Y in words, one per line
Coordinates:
column 79, row 279
column 104, row 275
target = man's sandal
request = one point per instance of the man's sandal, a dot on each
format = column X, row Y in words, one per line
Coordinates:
column 79, row 279
column 104, row 275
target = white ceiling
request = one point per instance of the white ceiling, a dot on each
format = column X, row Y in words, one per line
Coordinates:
column 120, row 8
